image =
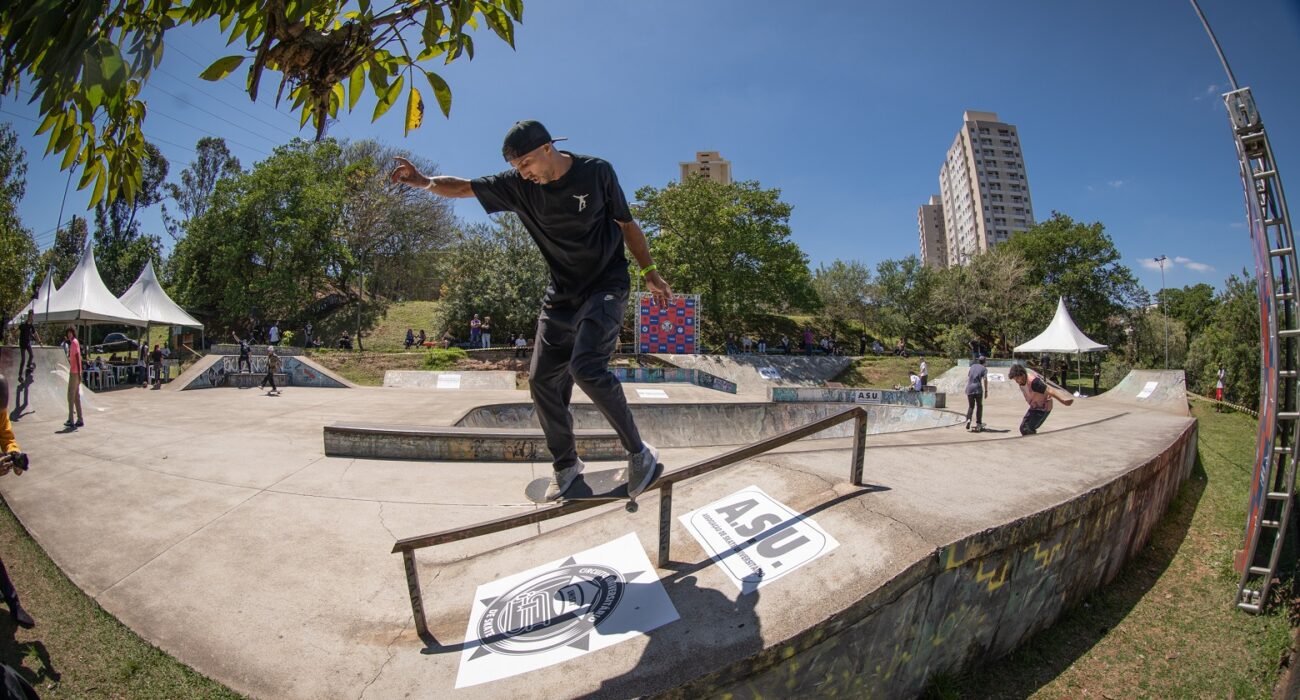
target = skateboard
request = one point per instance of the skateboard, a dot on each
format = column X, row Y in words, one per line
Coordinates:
column 977, row 428
column 603, row 485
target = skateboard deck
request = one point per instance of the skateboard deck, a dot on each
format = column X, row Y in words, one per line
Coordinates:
column 602, row 485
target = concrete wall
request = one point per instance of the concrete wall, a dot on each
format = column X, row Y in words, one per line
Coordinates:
column 971, row 603
column 656, row 375
column 927, row 399
column 299, row 373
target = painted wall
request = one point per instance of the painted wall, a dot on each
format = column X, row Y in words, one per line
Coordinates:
column 655, row 375
column 975, row 601
column 805, row 394
column 298, row 373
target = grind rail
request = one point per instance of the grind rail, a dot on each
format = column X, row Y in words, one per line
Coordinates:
column 664, row 485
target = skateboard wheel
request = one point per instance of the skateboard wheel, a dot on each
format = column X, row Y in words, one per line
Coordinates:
column 631, row 506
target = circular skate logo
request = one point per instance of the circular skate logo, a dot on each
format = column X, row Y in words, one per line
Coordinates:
column 557, row 608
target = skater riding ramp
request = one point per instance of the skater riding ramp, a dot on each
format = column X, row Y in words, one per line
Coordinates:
column 44, row 397
column 1152, row 389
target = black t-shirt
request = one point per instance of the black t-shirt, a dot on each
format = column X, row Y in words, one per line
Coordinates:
column 25, row 332
column 573, row 222
column 243, row 347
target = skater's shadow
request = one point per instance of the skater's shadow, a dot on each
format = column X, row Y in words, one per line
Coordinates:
column 20, row 655
column 21, row 397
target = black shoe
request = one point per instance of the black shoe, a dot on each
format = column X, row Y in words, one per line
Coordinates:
column 69, row 424
column 21, row 617
column 79, row 423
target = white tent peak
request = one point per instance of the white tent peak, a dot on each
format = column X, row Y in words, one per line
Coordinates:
column 1061, row 336
column 83, row 297
column 148, row 300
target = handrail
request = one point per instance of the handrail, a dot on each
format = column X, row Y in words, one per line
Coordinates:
column 664, row 485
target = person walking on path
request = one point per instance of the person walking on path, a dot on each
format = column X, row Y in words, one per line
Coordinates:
column 155, row 365
column 26, row 359
column 1219, row 386
column 577, row 214
column 485, row 332
column 74, row 378
column 273, row 335
column 272, row 367
column 245, row 353
column 925, row 372
column 977, row 387
column 1038, row 394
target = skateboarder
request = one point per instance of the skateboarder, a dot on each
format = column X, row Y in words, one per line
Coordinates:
column 272, row 366
column 26, row 360
column 1038, row 394
column 977, row 387
column 576, row 212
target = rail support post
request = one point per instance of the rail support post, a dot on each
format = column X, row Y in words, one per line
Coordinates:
column 413, row 585
column 665, row 523
column 859, row 446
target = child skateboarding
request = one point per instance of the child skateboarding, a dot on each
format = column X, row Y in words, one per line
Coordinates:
column 1038, row 394
column 576, row 213
column 977, row 387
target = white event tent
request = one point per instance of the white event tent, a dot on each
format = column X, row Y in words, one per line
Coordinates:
column 148, row 300
column 83, row 297
column 37, row 304
column 1062, row 336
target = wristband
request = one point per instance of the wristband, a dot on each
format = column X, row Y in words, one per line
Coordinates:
column 648, row 268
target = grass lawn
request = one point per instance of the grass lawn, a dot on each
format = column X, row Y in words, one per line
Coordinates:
column 1166, row 627
column 886, row 371
column 389, row 332
column 77, row 650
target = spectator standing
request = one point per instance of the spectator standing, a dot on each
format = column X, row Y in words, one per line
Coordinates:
column 977, row 387
column 410, row 338
column 762, row 346
column 272, row 367
column 26, row 332
column 862, row 344
column 485, row 331
column 746, row 344
column 1219, row 386
column 274, row 334
column 74, row 377
column 155, row 366
column 521, row 346
column 807, row 340
column 925, row 371
column 475, row 331
column 785, row 344
column 306, row 336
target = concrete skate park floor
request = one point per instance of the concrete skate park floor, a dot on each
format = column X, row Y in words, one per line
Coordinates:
column 211, row 523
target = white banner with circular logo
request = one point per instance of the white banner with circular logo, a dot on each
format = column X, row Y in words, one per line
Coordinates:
column 559, row 611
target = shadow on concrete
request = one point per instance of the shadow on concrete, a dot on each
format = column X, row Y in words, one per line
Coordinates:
column 21, row 394
column 1045, row 656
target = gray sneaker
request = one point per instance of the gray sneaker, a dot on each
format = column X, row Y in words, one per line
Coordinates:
column 641, row 469
column 564, row 478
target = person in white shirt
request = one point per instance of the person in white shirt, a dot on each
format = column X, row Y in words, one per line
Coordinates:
column 925, row 372
column 274, row 334
column 1219, row 387
column 914, row 382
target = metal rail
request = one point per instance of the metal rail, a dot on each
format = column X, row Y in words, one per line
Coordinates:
column 664, row 485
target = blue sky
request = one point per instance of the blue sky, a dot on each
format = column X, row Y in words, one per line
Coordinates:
column 846, row 107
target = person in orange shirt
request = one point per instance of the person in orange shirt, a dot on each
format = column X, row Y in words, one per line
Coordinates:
column 11, row 459
column 74, row 377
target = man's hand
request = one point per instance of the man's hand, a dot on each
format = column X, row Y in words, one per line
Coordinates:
column 658, row 287
column 407, row 174
column 7, row 463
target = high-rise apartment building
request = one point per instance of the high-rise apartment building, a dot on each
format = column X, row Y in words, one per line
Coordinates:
column 983, row 187
column 708, row 165
column 929, row 222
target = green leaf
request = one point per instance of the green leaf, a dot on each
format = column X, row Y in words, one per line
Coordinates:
column 98, row 192
column 441, row 92
column 355, row 85
column 222, row 67
column 388, row 98
column 414, row 111
column 500, row 23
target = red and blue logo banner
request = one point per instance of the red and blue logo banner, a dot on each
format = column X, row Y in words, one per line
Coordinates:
column 668, row 328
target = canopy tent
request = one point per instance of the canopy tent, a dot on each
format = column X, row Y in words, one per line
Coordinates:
column 37, row 304
column 83, row 297
column 147, row 300
column 1061, row 336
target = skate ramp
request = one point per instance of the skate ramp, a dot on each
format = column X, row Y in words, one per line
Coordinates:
column 452, row 381
column 697, row 425
column 953, row 383
column 744, row 370
column 45, row 396
column 1152, row 389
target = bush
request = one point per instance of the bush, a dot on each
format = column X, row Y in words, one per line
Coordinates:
column 954, row 341
column 443, row 358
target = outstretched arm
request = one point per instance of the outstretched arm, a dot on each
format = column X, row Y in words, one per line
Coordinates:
column 441, row 185
column 635, row 240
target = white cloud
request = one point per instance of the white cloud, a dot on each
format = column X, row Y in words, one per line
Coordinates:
column 1174, row 262
column 1238, row 224
column 1117, row 183
column 1211, row 90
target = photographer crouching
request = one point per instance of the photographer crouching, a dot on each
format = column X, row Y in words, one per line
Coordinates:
column 11, row 460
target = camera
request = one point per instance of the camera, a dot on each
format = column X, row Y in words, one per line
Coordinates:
column 18, row 462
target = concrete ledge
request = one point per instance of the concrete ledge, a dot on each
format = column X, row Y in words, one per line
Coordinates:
column 927, row 399
column 452, row 443
column 247, row 379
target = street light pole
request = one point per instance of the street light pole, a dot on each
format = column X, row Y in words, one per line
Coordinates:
column 1163, row 311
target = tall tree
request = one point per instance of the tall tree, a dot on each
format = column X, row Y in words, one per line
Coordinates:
column 121, row 250
column 492, row 270
column 1193, row 305
column 17, row 247
column 844, row 289
column 901, row 304
column 86, row 63
column 1079, row 262
column 987, row 298
column 1230, row 340
column 69, row 242
column 212, row 162
column 732, row 244
column 270, row 243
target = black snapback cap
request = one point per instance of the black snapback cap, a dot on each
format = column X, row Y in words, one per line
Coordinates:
column 524, row 137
